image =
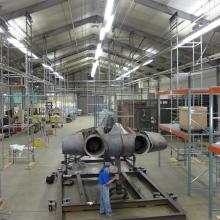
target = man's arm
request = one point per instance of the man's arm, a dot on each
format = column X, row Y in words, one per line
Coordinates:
column 116, row 177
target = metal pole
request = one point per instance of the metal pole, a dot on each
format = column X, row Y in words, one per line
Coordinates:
column 189, row 138
column 211, row 156
column 158, row 115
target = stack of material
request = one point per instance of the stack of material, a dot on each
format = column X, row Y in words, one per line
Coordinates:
column 198, row 115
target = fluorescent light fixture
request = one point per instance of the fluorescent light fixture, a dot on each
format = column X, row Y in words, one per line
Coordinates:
column 99, row 51
column 136, row 68
column 128, row 73
column 102, row 34
column 99, row 46
column 47, row 67
column 17, row 44
column 56, row 74
column 1, row 30
column 109, row 23
column 94, row 67
column 61, row 77
column 33, row 55
column 21, row 47
column 123, row 76
column 108, row 9
column 125, row 68
column 15, row 30
column 50, row 94
column 151, row 50
column 147, row 62
column 200, row 32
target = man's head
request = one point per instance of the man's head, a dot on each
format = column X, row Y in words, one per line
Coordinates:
column 113, row 169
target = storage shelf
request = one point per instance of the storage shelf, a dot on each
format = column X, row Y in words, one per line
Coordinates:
column 211, row 90
column 174, row 129
column 215, row 148
column 184, row 91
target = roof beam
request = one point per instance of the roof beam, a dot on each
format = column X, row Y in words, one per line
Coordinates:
column 82, row 68
column 90, row 54
column 138, row 32
column 80, row 41
column 68, row 27
column 75, row 52
column 93, row 47
column 94, row 37
column 83, row 56
column 103, row 60
column 167, row 9
column 31, row 9
column 85, row 65
column 98, row 19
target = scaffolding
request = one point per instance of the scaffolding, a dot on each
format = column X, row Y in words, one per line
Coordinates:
column 22, row 90
column 186, row 92
column 214, row 153
column 17, row 87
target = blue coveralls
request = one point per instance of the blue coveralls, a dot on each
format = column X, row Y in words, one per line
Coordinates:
column 104, row 177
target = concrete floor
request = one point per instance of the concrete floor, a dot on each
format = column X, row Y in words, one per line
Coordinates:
column 26, row 194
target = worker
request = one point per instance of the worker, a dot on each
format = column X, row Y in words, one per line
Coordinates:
column 107, row 175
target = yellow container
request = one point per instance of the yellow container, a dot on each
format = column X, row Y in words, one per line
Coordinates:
column 56, row 119
column 37, row 142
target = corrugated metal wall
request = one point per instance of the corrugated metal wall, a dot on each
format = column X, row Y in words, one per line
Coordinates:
column 90, row 106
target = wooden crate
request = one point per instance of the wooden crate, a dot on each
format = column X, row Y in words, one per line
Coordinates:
column 198, row 115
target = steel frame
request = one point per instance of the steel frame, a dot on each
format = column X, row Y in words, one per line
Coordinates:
column 176, row 212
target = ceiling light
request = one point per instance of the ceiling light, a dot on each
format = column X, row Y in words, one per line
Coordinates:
column 33, row 55
column 56, row 74
column 136, row 68
column 128, row 73
column 60, row 77
column 99, row 46
column 99, row 51
column 124, row 75
column 1, row 30
column 15, row 30
column 147, row 62
column 109, row 23
column 108, row 9
column 151, row 50
column 50, row 94
column 102, row 34
column 200, row 32
column 21, row 47
column 47, row 67
column 17, row 44
column 94, row 67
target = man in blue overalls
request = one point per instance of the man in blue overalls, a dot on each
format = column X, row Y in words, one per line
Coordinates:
column 105, row 179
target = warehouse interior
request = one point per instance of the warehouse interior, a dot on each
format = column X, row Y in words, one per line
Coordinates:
column 135, row 83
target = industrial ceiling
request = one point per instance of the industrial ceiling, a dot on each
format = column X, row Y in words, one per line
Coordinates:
column 67, row 31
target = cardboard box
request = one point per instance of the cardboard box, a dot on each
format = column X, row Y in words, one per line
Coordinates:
column 198, row 116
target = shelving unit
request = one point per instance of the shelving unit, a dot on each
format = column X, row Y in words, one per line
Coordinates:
column 188, row 94
column 214, row 153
